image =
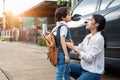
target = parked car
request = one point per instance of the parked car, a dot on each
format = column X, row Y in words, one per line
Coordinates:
column 110, row 9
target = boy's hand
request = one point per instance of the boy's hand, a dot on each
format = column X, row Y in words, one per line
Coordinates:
column 67, row 59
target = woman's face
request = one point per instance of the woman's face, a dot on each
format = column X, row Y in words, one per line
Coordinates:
column 91, row 24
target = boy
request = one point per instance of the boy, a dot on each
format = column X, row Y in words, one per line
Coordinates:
column 63, row 16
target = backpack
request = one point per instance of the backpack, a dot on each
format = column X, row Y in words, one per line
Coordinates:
column 52, row 54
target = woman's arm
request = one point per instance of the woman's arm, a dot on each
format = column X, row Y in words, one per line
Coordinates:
column 71, row 46
column 95, row 49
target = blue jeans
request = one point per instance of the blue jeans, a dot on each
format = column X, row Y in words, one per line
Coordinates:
column 62, row 68
column 80, row 74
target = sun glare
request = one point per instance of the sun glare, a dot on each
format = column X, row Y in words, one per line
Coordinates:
column 18, row 6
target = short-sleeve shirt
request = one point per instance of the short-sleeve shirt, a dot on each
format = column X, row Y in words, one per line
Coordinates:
column 63, row 31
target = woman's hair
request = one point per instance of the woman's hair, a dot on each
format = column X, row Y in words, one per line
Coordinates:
column 101, row 21
column 61, row 12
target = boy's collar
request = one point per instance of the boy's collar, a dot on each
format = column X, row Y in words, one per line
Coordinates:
column 61, row 22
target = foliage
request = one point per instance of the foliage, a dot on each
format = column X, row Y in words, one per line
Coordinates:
column 5, row 39
column 69, row 5
column 61, row 3
column 66, row 3
column 41, row 42
column 11, row 20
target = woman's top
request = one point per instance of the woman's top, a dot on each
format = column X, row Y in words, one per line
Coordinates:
column 92, row 53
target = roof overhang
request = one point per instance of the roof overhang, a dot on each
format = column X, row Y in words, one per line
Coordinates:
column 45, row 8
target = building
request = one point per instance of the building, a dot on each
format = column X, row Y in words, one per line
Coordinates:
column 37, row 18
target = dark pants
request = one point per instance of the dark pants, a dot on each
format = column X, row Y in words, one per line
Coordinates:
column 80, row 74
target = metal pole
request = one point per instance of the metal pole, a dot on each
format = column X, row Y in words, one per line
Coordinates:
column 4, row 20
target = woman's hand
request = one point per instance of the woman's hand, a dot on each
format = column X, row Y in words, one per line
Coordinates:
column 70, row 45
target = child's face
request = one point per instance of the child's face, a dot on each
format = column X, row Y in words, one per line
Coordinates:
column 67, row 18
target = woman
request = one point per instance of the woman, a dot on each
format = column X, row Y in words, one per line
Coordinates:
column 91, row 51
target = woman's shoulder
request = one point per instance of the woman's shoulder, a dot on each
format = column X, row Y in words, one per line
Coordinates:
column 99, row 37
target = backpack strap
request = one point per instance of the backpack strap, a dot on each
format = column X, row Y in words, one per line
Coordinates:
column 54, row 29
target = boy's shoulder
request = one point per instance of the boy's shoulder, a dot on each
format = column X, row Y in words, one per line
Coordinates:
column 63, row 27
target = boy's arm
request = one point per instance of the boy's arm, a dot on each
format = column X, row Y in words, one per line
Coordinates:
column 64, row 47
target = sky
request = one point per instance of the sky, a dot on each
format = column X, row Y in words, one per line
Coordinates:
column 17, row 6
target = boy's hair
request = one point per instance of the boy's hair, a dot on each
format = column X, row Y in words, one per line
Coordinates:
column 61, row 12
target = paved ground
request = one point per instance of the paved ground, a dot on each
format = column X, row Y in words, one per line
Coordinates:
column 23, row 61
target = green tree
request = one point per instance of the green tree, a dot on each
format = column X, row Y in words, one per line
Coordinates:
column 11, row 20
column 66, row 3
column 61, row 3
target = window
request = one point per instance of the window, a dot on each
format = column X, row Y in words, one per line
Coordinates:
column 85, row 7
column 109, row 3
